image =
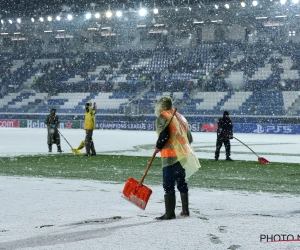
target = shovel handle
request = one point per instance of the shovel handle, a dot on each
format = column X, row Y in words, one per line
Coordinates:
column 64, row 138
column 147, row 169
column 246, row 146
column 153, row 156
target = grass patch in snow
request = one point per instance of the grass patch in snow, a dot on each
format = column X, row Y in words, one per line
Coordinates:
column 223, row 175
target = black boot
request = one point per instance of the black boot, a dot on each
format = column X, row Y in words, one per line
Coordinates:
column 185, row 204
column 59, row 149
column 170, row 202
column 49, row 147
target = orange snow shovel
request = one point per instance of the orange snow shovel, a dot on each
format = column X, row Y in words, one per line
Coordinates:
column 137, row 193
column 262, row 160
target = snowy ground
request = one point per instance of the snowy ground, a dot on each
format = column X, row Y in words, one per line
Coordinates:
column 63, row 214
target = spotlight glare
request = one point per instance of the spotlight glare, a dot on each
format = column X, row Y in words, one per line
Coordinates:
column 155, row 10
column 143, row 12
column 108, row 14
column 97, row 15
column 88, row 15
column 119, row 13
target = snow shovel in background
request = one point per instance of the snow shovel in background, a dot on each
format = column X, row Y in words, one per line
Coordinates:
column 137, row 193
column 260, row 159
column 75, row 151
column 81, row 145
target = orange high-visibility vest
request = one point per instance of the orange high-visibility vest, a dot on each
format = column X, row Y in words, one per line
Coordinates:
column 177, row 145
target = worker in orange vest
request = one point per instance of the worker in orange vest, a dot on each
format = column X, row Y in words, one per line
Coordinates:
column 179, row 161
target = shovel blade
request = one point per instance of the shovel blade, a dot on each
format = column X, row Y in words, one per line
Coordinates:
column 76, row 151
column 263, row 160
column 138, row 195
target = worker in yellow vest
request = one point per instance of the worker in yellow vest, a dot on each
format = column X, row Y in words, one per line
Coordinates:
column 89, row 126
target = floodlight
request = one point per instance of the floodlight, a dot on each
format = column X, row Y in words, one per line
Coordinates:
column 108, row 14
column 226, row 5
column 49, row 18
column 41, row 19
column 18, row 20
column 88, row 15
column 155, row 10
column 58, row 18
column 282, row 2
column 243, row 4
column 97, row 15
column 143, row 12
column 10, row 21
column 254, row 3
column 119, row 13
column 69, row 17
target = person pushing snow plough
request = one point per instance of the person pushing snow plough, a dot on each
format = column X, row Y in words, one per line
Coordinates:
column 52, row 121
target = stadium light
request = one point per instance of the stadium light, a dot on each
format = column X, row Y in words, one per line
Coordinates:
column 155, row 10
column 32, row 19
column 142, row 12
column 108, row 14
column 97, row 15
column 49, row 18
column 254, row 3
column 295, row 1
column 10, row 21
column 282, row 2
column 88, row 15
column 119, row 13
column 243, row 4
column 2, row 21
column 41, row 19
column 69, row 17
column 58, row 18
column 226, row 5
column 216, row 7
column 18, row 20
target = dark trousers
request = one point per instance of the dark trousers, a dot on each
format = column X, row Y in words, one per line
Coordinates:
column 53, row 137
column 174, row 174
column 219, row 144
column 89, row 144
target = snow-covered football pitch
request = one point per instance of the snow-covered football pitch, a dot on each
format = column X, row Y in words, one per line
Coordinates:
column 39, row 213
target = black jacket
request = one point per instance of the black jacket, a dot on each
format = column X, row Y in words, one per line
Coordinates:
column 224, row 128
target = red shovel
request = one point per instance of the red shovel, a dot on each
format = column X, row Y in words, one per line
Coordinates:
column 137, row 193
column 262, row 160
